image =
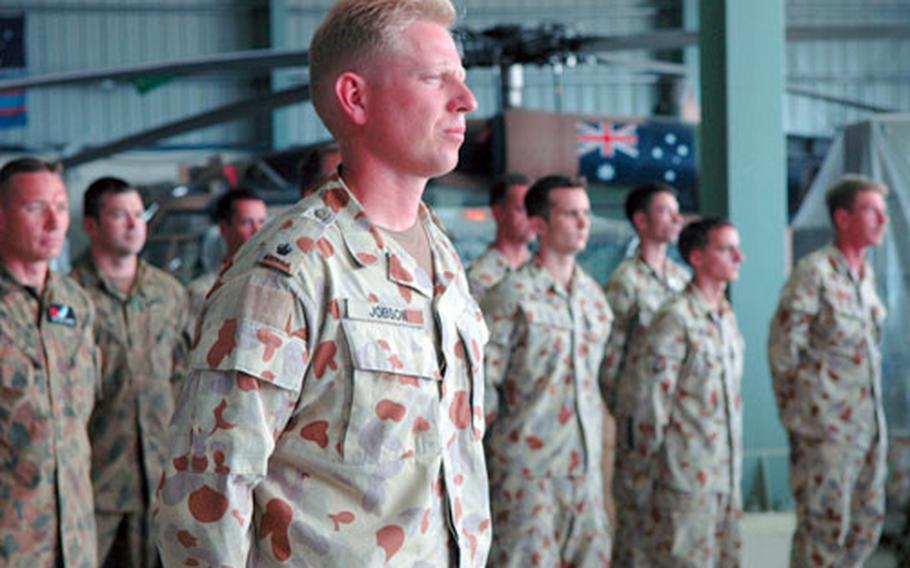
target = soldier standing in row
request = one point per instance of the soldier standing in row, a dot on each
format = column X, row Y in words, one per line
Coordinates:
column 239, row 213
column 141, row 312
column 549, row 323
column 825, row 361
column 48, row 380
column 635, row 291
column 513, row 234
column 691, row 365
column 334, row 413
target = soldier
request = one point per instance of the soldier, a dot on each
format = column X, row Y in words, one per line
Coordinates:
column 334, row 416
column 48, row 380
column 823, row 350
column 549, row 322
column 240, row 213
column 513, row 234
column 141, row 311
column 635, row 291
column 690, row 426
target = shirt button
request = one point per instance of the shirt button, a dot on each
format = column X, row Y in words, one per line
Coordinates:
column 322, row 214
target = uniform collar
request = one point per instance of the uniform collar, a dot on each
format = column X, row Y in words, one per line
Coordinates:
column 544, row 281
column 94, row 278
column 368, row 245
column 698, row 302
column 838, row 262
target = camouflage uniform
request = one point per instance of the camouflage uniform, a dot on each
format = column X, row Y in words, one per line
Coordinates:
column 322, row 412
column 635, row 291
column 823, row 349
column 196, row 292
column 691, row 364
column 487, row 270
column 143, row 353
column 544, row 413
column 48, row 383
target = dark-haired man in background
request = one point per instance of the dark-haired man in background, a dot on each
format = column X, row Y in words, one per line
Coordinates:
column 826, row 364
column 513, row 234
column 635, row 291
column 48, row 380
column 690, row 424
column 239, row 213
column 549, row 322
column 141, row 314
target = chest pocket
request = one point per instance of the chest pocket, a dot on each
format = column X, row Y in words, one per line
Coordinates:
column 395, row 393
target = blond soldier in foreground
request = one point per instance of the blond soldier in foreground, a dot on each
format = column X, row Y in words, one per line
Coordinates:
column 549, row 322
column 141, row 312
column 691, row 366
column 513, row 234
column 823, row 350
column 48, row 380
column 334, row 416
column 635, row 291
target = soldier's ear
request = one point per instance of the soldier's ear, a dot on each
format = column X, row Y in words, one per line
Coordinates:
column 351, row 93
column 538, row 225
column 841, row 219
column 639, row 221
column 91, row 227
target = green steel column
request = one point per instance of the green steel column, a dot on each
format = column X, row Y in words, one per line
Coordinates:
column 278, row 18
column 743, row 176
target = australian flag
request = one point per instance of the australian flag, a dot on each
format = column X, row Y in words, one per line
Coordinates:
column 633, row 153
column 12, row 65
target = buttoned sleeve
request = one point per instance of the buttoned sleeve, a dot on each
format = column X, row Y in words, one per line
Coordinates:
column 662, row 361
column 789, row 333
column 621, row 298
column 500, row 312
column 246, row 374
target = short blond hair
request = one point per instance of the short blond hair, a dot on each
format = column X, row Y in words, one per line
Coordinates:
column 843, row 194
column 356, row 29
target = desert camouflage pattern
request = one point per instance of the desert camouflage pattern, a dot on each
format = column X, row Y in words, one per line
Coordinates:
column 825, row 358
column 143, row 353
column 691, row 366
column 487, row 270
column 544, row 415
column 196, row 292
column 48, row 380
column 634, row 291
column 321, row 424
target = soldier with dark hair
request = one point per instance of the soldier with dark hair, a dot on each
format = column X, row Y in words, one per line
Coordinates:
column 141, row 314
column 825, row 359
column 513, row 234
column 689, row 425
column 48, row 379
column 635, row 290
column 239, row 213
column 549, row 322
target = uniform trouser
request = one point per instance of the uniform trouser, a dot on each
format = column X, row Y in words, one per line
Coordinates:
column 695, row 530
column 548, row 522
column 124, row 540
column 630, row 495
column 839, row 491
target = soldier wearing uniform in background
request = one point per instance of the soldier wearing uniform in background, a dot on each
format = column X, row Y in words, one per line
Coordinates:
column 334, row 414
column 48, row 380
column 141, row 311
column 549, row 322
column 823, row 349
column 690, row 425
column 635, row 291
column 240, row 213
column 513, row 234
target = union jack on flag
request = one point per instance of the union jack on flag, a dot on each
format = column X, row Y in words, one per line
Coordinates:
column 607, row 137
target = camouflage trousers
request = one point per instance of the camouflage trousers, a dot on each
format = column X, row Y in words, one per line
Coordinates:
column 548, row 522
column 695, row 530
column 124, row 540
column 630, row 496
column 840, row 502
